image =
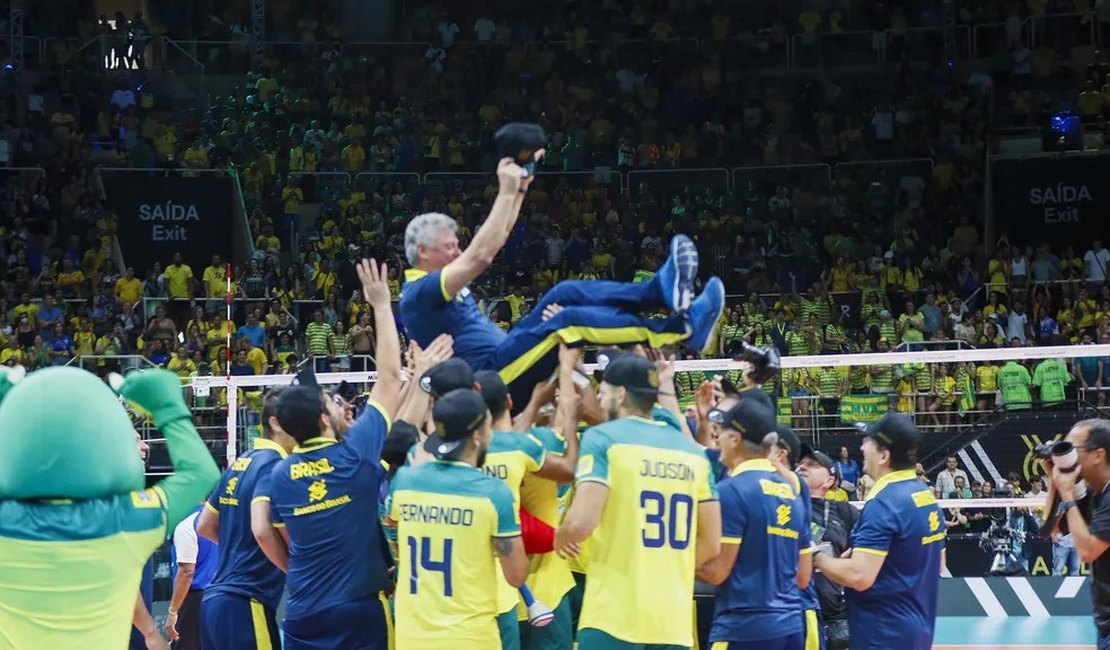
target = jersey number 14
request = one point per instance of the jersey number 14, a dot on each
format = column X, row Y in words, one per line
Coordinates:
column 420, row 553
column 666, row 521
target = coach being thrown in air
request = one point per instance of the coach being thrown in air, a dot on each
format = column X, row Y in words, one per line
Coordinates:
column 893, row 573
column 435, row 298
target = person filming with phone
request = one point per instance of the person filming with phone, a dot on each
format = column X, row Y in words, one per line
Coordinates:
column 1080, row 472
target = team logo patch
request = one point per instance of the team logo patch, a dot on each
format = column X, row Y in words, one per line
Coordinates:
column 585, row 465
column 145, row 499
column 317, row 490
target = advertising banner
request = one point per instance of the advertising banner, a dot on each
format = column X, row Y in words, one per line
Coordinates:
column 863, row 408
column 162, row 215
column 1058, row 199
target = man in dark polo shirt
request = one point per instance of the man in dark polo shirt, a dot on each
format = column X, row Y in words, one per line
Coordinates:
column 1085, row 514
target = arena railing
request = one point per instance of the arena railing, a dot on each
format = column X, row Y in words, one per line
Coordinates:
column 927, row 43
column 679, row 180
column 751, row 52
column 836, row 49
column 203, row 386
column 123, row 362
column 1062, row 29
column 990, row 39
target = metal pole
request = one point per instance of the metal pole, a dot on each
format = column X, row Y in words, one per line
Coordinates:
column 15, row 41
column 258, row 29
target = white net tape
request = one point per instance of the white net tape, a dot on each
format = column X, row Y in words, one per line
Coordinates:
column 203, row 385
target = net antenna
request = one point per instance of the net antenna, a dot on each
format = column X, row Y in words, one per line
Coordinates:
column 202, row 385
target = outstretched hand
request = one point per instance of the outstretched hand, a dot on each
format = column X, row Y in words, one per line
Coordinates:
column 375, row 282
column 511, row 176
column 439, row 350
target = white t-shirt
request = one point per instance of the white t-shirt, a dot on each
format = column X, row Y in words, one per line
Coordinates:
column 447, row 33
column 1098, row 263
column 485, row 29
column 883, row 121
column 185, row 540
column 1015, row 326
column 123, row 98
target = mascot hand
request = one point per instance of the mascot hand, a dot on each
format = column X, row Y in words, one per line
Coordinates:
column 156, row 391
column 10, row 377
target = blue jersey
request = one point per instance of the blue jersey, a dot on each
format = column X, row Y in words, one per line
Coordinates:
column 427, row 311
column 902, row 522
column 765, row 515
column 206, row 558
column 326, row 495
column 243, row 569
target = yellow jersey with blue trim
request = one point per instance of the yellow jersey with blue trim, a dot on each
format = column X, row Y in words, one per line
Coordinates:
column 768, row 518
column 902, row 522
column 549, row 575
column 447, row 514
column 428, row 310
column 640, row 578
column 510, row 458
column 326, row 494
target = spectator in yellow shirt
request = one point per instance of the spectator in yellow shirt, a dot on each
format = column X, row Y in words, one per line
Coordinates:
column 12, row 355
column 256, row 358
column 71, row 280
column 354, row 157
column 179, row 278
column 215, row 278
column 129, row 287
column 196, row 156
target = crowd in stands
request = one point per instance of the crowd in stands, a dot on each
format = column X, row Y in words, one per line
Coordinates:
column 329, row 143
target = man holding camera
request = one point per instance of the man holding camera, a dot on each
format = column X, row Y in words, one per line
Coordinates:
column 1083, row 510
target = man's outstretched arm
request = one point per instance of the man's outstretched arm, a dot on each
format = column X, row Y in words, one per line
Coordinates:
column 494, row 231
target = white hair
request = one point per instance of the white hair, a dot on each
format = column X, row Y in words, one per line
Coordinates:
column 423, row 231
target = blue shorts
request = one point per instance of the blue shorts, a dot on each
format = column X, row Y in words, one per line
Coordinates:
column 356, row 625
column 793, row 642
column 233, row 622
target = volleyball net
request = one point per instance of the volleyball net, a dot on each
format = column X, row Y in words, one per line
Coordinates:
column 951, row 394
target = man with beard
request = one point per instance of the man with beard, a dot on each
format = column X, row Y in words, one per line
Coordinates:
column 324, row 500
column 830, row 523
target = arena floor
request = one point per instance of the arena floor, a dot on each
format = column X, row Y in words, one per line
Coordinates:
column 1056, row 632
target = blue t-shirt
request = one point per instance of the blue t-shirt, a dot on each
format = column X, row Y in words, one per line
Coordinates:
column 325, row 493
column 767, row 517
column 849, row 470
column 902, row 522
column 207, row 556
column 256, row 334
column 243, row 569
column 428, row 311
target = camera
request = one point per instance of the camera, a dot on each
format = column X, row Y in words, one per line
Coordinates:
column 1063, row 455
column 1000, row 541
column 765, row 362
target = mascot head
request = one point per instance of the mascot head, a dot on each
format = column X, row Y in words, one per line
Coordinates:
column 65, row 435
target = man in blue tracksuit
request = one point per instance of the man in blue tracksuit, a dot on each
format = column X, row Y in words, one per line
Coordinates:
column 194, row 564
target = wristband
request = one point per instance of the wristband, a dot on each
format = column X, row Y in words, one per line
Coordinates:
column 1064, row 507
column 662, row 394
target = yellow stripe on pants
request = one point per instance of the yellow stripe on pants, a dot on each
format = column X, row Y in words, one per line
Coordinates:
column 261, row 627
column 388, row 611
column 813, row 631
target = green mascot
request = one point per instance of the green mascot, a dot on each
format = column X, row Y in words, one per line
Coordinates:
column 76, row 524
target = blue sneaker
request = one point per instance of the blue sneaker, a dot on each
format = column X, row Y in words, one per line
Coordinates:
column 678, row 274
column 704, row 314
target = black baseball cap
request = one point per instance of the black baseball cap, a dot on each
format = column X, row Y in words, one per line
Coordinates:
column 493, row 390
column 820, row 457
column 299, row 409
column 789, row 441
column 632, row 373
column 894, row 432
column 402, row 436
column 751, row 419
column 447, row 376
column 456, row 415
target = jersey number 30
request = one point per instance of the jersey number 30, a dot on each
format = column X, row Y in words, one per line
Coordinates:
column 420, row 552
column 666, row 521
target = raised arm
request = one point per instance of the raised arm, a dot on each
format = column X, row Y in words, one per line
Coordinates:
column 195, row 473
column 416, row 403
column 561, row 468
column 375, row 288
column 494, row 232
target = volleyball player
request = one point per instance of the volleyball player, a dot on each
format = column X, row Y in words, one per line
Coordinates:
column 765, row 557
column 512, row 457
column 647, row 495
column 893, row 574
column 240, row 604
column 324, row 499
column 452, row 521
